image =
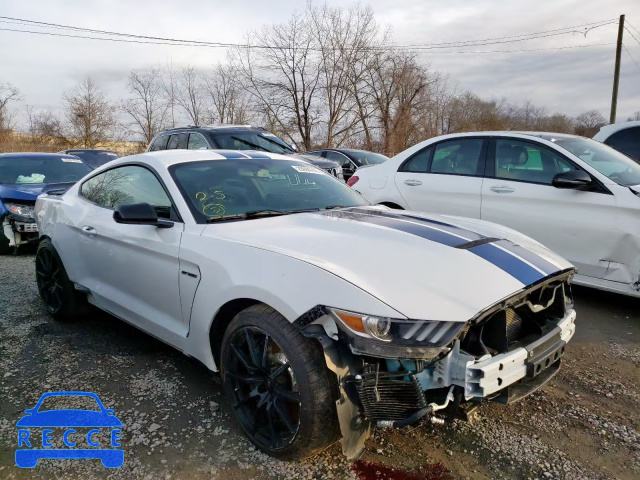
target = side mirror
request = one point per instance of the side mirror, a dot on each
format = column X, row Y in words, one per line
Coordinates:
column 574, row 179
column 139, row 214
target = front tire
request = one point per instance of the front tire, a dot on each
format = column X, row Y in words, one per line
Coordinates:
column 58, row 293
column 278, row 384
column 5, row 249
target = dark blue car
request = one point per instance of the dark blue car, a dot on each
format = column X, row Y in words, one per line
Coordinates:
column 22, row 178
column 34, row 444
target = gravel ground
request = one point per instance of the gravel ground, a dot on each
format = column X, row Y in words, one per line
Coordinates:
column 583, row 424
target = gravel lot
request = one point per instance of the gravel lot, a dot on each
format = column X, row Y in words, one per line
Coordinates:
column 584, row 424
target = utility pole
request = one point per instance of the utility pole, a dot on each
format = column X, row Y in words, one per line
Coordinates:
column 616, row 72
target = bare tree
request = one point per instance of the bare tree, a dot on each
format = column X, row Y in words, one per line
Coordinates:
column 91, row 118
column 282, row 79
column 168, row 78
column 46, row 130
column 345, row 39
column 189, row 95
column 8, row 95
column 228, row 99
column 588, row 123
column 635, row 116
column 146, row 106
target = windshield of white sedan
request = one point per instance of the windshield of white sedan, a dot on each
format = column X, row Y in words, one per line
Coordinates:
column 608, row 161
column 39, row 170
column 248, row 188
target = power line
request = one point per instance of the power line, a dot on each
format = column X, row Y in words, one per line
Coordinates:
column 629, row 53
column 528, row 49
column 631, row 33
column 415, row 47
column 633, row 27
column 224, row 46
column 561, row 30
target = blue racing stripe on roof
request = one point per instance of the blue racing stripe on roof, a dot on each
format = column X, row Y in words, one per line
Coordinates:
column 507, row 262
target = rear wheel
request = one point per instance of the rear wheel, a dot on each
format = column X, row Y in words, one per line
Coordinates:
column 63, row 302
column 278, row 384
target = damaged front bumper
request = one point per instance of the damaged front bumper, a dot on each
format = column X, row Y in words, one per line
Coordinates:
column 18, row 230
column 526, row 365
column 506, row 352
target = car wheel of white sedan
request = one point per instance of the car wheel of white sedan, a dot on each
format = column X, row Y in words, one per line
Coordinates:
column 280, row 389
column 55, row 288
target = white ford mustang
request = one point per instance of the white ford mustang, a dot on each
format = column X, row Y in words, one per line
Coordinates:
column 324, row 315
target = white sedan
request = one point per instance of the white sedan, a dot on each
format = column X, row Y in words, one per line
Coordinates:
column 576, row 196
column 324, row 315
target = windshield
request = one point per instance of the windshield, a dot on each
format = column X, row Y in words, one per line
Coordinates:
column 608, row 161
column 249, row 140
column 94, row 158
column 366, row 158
column 220, row 188
column 39, row 170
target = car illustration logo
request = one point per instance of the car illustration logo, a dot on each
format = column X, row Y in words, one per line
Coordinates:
column 72, row 427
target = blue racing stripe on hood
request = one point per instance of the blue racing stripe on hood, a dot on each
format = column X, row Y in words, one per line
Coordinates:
column 509, row 263
column 434, row 235
column 522, row 264
column 528, row 256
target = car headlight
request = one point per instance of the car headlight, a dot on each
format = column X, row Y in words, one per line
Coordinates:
column 400, row 332
column 21, row 210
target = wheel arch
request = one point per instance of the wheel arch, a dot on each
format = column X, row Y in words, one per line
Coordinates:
column 223, row 318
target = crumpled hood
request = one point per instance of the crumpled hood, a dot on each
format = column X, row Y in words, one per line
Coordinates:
column 425, row 267
column 26, row 191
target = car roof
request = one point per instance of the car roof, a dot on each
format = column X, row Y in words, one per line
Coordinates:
column 213, row 128
column 608, row 130
column 163, row 159
column 35, row 155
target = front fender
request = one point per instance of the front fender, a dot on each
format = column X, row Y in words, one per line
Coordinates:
column 288, row 285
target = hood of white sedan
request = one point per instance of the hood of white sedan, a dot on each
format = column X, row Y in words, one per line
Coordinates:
column 425, row 267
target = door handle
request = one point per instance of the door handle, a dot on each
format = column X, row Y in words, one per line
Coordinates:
column 412, row 182
column 88, row 230
column 502, row 189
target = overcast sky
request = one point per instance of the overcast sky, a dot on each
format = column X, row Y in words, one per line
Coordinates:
column 569, row 80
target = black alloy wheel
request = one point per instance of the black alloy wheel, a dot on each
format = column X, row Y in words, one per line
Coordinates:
column 266, row 398
column 58, row 293
column 50, row 278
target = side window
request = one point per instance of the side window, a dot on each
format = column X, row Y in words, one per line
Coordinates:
column 627, row 141
column 197, row 142
column 177, row 140
column 159, row 143
column 528, row 162
column 173, row 142
column 457, row 157
column 128, row 184
column 418, row 163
